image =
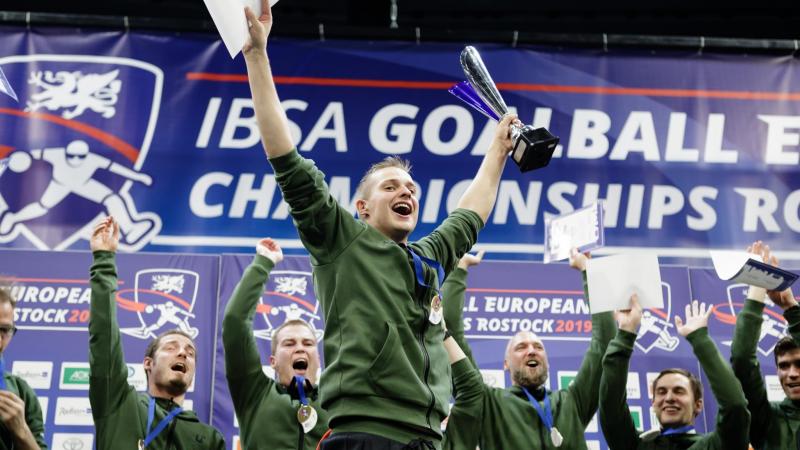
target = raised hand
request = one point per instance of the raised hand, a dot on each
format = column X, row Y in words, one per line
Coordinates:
column 784, row 299
column 629, row 319
column 755, row 292
column 270, row 249
column 697, row 315
column 503, row 142
column 578, row 260
column 259, row 28
column 469, row 260
column 105, row 235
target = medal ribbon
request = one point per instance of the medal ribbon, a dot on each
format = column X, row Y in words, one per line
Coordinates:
column 2, row 373
column 300, row 382
column 545, row 414
column 681, row 430
column 151, row 414
column 420, row 271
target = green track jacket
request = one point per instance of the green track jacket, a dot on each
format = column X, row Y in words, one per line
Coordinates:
column 33, row 413
column 267, row 412
column 508, row 419
column 119, row 412
column 774, row 425
column 387, row 371
column 615, row 418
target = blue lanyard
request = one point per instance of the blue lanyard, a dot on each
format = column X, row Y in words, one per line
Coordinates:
column 545, row 414
column 151, row 414
column 681, row 430
column 2, row 373
column 300, row 382
column 420, row 271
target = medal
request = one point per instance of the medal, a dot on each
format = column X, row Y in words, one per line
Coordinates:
column 307, row 416
column 435, row 316
column 556, row 437
column 141, row 444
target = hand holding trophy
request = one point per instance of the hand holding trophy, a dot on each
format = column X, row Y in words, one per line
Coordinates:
column 533, row 147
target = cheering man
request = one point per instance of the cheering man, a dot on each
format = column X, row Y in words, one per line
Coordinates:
column 123, row 418
column 387, row 380
column 282, row 413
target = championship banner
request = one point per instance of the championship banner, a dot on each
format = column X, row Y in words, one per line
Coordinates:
column 156, row 292
column 688, row 151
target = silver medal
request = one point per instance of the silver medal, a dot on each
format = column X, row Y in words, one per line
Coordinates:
column 141, row 444
column 435, row 316
column 556, row 437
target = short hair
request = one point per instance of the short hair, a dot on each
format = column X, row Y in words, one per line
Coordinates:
column 784, row 345
column 150, row 351
column 5, row 293
column 389, row 161
column 289, row 323
column 697, row 387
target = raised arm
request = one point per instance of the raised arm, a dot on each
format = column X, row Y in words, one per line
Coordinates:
column 615, row 416
column 242, row 360
column 586, row 384
column 272, row 121
column 108, row 384
column 733, row 420
column 464, row 423
column 482, row 192
column 453, row 294
column 744, row 354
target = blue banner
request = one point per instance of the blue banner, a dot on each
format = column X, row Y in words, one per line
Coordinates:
column 690, row 151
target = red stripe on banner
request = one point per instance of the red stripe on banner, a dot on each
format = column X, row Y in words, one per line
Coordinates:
column 731, row 319
column 54, row 280
column 5, row 150
column 134, row 306
column 524, row 291
column 594, row 90
column 127, row 150
column 308, row 306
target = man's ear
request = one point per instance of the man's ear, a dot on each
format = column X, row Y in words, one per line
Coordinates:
column 361, row 208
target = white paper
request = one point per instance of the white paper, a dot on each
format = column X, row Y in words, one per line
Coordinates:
column 613, row 279
column 728, row 263
column 231, row 23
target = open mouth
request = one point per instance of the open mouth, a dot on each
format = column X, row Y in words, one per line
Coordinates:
column 671, row 409
column 402, row 208
column 792, row 385
column 179, row 367
column 300, row 364
column 532, row 363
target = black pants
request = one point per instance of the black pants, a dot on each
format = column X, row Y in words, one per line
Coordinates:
column 364, row 441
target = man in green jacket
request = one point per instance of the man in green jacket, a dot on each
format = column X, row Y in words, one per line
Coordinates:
column 518, row 417
column 677, row 394
column 387, row 381
column 20, row 413
column 270, row 411
column 775, row 425
column 124, row 419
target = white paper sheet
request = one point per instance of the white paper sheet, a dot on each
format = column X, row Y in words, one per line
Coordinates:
column 613, row 279
column 582, row 228
column 748, row 268
column 231, row 23
column 5, row 87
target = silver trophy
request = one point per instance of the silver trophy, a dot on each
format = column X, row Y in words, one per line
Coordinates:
column 533, row 147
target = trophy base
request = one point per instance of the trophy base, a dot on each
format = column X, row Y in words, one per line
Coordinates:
column 533, row 148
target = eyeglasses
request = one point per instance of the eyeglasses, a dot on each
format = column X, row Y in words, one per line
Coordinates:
column 8, row 330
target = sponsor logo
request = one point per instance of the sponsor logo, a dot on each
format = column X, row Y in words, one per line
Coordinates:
column 288, row 297
column 74, row 376
column 73, row 411
column 565, row 378
column 494, row 378
column 773, row 327
column 84, row 158
column 72, row 441
column 634, row 392
column 43, row 404
column 38, row 374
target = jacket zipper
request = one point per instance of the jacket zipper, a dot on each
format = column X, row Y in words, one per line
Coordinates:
column 426, row 372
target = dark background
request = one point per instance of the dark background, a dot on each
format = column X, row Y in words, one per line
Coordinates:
column 571, row 22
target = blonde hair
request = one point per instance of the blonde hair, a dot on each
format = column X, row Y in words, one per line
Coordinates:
column 389, row 161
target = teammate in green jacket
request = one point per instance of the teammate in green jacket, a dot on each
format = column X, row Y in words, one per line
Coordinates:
column 774, row 425
column 268, row 409
column 677, row 394
column 387, row 380
column 123, row 418
column 509, row 419
column 20, row 414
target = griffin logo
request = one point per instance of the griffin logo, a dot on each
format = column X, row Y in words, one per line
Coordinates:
column 63, row 90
